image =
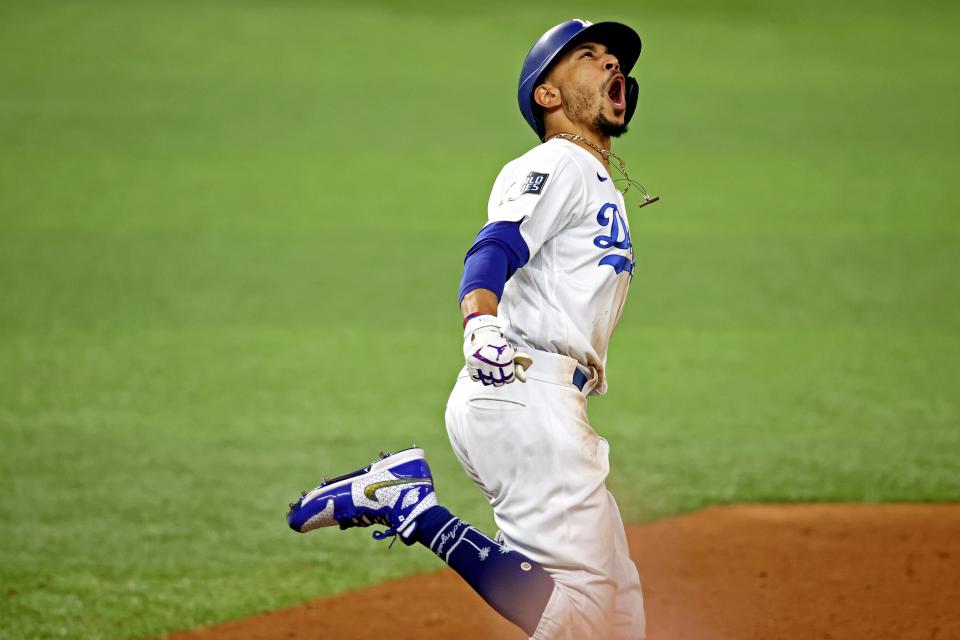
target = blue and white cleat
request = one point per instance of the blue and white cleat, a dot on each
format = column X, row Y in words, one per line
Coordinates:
column 392, row 491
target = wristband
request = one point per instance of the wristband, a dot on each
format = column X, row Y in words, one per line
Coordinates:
column 470, row 317
column 481, row 321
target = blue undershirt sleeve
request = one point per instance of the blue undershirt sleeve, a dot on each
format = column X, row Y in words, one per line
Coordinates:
column 496, row 254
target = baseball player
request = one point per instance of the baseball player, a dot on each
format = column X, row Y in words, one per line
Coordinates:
column 542, row 290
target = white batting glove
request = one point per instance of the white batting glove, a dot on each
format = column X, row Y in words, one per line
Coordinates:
column 490, row 358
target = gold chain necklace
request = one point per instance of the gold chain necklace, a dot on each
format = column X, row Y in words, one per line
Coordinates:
column 621, row 166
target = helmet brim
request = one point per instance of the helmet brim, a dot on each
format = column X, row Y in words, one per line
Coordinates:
column 619, row 39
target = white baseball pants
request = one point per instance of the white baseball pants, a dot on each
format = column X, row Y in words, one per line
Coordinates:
column 531, row 450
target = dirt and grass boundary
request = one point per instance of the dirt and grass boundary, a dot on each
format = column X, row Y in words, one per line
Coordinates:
column 785, row 572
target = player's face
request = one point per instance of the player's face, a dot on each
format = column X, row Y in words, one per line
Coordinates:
column 593, row 88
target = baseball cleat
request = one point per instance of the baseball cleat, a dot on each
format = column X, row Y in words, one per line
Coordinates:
column 393, row 491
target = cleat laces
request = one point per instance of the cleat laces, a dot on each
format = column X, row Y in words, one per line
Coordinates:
column 386, row 533
column 366, row 521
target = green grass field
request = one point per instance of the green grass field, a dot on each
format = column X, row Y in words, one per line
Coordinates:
column 224, row 225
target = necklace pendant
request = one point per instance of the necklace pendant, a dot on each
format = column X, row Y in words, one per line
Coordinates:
column 648, row 199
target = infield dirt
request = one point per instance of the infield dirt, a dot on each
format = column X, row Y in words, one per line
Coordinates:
column 771, row 572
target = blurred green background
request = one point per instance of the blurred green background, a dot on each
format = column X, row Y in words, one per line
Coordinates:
column 231, row 235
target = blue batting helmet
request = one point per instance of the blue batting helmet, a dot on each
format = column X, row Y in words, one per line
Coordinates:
column 619, row 39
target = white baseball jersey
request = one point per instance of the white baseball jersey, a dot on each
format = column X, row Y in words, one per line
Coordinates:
column 569, row 296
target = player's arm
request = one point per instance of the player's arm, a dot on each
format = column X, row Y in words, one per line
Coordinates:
column 531, row 201
column 479, row 302
column 497, row 253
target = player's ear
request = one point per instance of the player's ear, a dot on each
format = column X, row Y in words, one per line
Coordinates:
column 547, row 96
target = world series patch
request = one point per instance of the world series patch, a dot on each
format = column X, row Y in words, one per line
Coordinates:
column 533, row 183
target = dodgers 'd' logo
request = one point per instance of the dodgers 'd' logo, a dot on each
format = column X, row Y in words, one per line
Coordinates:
column 618, row 237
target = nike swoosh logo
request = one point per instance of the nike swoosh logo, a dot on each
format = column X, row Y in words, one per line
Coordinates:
column 601, row 178
column 371, row 490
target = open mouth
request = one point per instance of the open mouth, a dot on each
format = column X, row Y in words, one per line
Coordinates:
column 616, row 92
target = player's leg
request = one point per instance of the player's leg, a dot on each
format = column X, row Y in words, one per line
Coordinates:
column 397, row 492
column 513, row 584
column 629, row 622
column 543, row 473
column 533, row 453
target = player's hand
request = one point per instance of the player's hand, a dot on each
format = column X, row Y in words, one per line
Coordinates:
column 490, row 358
